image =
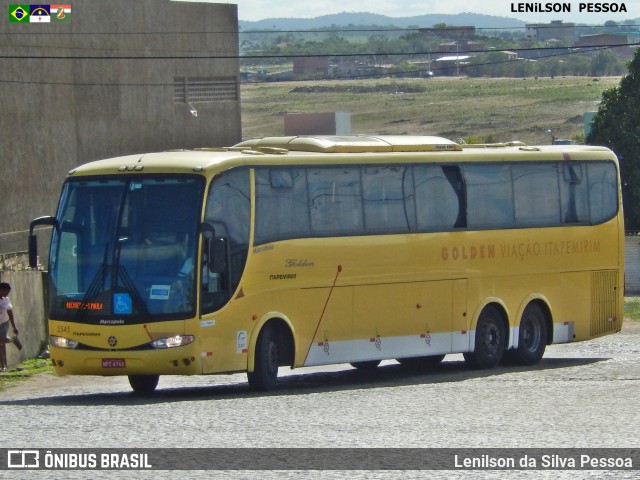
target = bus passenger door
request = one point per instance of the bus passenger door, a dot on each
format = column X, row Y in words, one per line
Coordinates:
column 227, row 221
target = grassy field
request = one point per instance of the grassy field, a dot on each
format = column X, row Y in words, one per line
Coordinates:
column 24, row 370
column 486, row 109
column 632, row 308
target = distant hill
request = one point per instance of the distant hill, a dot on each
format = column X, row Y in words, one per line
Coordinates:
column 359, row 19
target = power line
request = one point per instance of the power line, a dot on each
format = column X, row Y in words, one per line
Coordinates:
column 304, row 55
column 565, row 51
column 433, row 30
column 329, row 30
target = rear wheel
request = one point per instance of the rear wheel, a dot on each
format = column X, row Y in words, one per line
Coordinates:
column 532, row 337
column 144, row 384
column 490, row 340
column 369, row 365
column 265, row 372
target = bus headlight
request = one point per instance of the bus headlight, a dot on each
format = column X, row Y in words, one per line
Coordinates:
column 170, row 342
column 62, row 342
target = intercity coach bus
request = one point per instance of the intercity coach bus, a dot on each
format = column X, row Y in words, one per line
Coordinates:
column 301, row 251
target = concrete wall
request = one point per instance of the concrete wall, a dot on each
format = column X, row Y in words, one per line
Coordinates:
column 323, row 123
column 102, row 100
column 27, row 298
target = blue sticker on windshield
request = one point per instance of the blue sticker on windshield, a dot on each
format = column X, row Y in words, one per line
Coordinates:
column 122, row 304
column 160, row 292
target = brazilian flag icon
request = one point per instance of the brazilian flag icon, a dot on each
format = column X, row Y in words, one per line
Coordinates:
column 19, row 13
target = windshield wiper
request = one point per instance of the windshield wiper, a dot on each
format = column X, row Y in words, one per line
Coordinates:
column 96, row 285
column 128, row 284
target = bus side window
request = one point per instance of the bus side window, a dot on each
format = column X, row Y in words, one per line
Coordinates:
column 281, row 204
column 455, row 178
column 335, row 201
column 385, row 199
column 489, row 195
column 574, row 194
column 540, row 182
column 438, row 205
column 603, row 191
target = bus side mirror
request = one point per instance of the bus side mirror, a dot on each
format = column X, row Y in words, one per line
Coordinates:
column 33, row 250
column 33, row 238
column 217, row 255
column 215, row 249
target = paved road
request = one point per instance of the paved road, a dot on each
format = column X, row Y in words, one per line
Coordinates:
column 583, row 395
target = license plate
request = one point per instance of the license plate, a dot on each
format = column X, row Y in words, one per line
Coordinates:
column 113, row 363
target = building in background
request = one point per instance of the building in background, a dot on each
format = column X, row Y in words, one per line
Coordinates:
column 556, row 30
column 598, row 41
column 118, row 77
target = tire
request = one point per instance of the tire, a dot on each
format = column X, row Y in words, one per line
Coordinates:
column 490, row 340
column 421, row 363
column 144, row 384
column 532, row 337
column 265, row 373
column 369, row 365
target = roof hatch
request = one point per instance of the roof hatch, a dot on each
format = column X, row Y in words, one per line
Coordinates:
column 350, row 144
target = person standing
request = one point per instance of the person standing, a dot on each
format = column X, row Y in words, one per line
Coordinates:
column 6, row 318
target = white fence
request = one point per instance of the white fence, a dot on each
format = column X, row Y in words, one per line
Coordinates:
column 632, row 264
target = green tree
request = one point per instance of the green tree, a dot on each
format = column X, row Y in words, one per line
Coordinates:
column 617, row 125
column 604, row 63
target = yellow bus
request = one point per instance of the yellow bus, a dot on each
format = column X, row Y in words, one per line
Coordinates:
column 301, row 251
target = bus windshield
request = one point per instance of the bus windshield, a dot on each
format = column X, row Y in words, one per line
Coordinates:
column 124, row 249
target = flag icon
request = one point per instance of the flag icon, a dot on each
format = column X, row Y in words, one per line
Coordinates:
column 60, row 13
column 39, row 14
column 19, row 13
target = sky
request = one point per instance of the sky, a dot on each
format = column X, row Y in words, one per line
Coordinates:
column 262, row 9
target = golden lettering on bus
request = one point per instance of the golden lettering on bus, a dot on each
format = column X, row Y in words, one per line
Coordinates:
column 521, row 250
column 298, row 263
column 557, row 248
column 471, row 252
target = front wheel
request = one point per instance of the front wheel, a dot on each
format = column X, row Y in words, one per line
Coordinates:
column 265, row 371
column 490, row 340
column 144, row 384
